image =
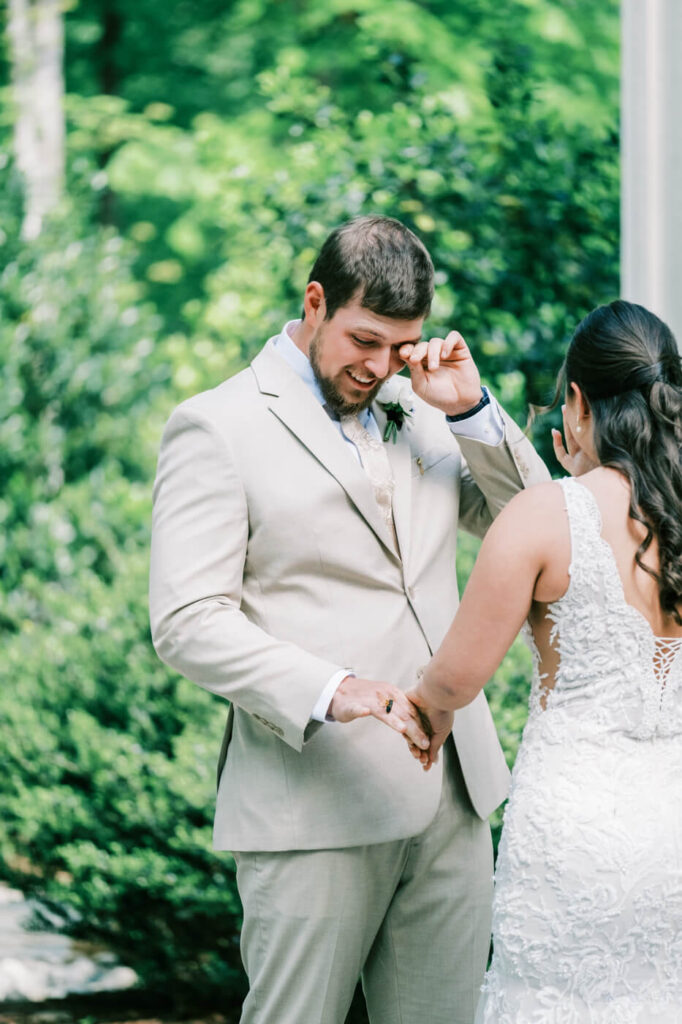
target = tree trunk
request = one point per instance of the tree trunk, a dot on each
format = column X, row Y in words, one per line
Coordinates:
column 36, row 38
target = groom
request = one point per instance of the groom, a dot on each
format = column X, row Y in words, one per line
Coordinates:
column 303, row 567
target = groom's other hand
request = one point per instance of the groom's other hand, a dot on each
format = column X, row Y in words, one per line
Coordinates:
column 360, row 698
column 444, row 373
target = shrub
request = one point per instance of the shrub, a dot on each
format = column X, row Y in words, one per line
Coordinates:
column 108, row 758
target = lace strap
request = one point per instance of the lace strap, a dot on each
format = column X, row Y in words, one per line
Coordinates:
column 584, row 520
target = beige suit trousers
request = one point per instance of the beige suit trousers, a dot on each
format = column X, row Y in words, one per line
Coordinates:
column 411, row 917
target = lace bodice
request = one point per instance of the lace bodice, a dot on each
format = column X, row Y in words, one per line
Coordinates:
column 614, row 673
column 587, row 919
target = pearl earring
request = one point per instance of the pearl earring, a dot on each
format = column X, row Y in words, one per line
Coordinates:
column 578, row 428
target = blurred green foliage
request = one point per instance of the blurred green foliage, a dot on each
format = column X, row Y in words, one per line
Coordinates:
column 107, row 759
column 210, row 149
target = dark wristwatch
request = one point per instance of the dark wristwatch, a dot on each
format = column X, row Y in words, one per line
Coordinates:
column 485, row 400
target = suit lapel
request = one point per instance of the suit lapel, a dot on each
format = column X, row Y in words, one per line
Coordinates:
column 292, row 403
column 400, row 458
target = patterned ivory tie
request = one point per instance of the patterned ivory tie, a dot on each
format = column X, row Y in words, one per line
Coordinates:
column 375, row 463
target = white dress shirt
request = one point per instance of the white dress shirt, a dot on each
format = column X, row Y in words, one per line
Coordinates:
column 485, row 426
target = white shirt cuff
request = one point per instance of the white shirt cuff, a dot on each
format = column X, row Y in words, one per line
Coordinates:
column 486, row 426
column 319, row 712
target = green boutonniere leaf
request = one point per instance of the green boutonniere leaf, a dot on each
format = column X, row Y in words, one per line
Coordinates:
column 395, row 418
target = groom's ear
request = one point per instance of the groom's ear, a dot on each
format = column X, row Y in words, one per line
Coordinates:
column 314, row 304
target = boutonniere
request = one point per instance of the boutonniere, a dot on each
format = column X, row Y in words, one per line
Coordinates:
column 398, row 403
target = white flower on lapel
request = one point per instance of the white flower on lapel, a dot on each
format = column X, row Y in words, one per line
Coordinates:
column 396, row 398
column 406, row 399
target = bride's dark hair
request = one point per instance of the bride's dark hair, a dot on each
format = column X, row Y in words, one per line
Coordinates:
column 627, row 365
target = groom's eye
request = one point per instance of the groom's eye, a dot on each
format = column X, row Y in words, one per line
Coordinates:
column 362, row 341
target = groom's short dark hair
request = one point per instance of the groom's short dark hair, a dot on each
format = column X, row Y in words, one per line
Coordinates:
column 379, row 261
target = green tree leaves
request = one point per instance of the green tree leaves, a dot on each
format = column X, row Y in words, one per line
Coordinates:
column 211, row 148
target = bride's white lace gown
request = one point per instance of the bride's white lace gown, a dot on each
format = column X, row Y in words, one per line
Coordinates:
column 587, row 922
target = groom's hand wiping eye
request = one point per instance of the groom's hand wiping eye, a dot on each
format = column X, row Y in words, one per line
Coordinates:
column 444, row 373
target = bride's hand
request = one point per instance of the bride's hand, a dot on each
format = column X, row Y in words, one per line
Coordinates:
column 571, row 456
column 439, row 723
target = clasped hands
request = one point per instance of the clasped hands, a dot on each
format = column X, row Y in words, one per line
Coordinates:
column 424, row 729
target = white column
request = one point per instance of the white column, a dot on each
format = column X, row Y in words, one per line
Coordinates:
column 36, row 37
column 651, row 147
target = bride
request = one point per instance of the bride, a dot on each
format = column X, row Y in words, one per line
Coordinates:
column 587, row 921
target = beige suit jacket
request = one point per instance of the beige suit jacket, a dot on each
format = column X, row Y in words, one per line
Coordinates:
column 271, row 569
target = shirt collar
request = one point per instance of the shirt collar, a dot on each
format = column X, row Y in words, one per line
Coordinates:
column 300, row 364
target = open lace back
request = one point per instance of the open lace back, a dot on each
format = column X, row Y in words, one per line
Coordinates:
column 666, row 648
column 596, row 592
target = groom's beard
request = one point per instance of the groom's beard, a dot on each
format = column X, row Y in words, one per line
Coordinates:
column 335, row 401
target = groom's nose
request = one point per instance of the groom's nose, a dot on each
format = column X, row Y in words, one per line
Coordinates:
column 379, row 363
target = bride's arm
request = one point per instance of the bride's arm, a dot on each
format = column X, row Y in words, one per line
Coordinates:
column 524, row 556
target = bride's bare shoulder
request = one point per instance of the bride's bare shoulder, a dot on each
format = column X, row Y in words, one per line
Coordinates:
column 537, row 500
column 534, row 518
